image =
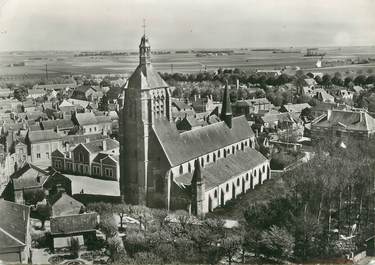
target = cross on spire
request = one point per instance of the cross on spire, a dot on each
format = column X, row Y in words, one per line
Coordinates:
column 144, row 27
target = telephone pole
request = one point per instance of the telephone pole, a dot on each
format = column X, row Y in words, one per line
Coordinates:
column 46, row 72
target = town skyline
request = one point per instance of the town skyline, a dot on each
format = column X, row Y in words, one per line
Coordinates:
column 117, row 25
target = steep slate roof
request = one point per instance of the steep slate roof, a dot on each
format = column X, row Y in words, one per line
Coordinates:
column 226, row 168
column 310, row 81
column 14, row 223
column 27, row 177
column 296, row 107
column 70, row 224
column 251, row 102
column 103, row 119
column 62, row 124
column 351, row 120
column 99, row 157
column 201, row 141
column 145, row 77
column 180, row 105
column 97, row 146
column 77, row 139
column 65, row 205
column 43, row 136
column 86, row 118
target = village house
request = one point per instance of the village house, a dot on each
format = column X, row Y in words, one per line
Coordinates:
column 295, row 108
column 344, row 124
column 88, row 123
column 203, row 104
column 62, row 204
column 24, row 182
column 251, row 106
column 98, row 159
column 41, row 144
column 60, row 125
column 36, row 93
column 79, row 226
column 15, row 239
column 56, row 87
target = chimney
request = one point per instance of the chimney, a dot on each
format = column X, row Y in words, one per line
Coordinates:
column 329, row 113
column 67, row 147
column 104, row 145
column 238, row 84
column 87, row 140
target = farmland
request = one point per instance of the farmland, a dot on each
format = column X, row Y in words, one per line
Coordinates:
column 64, row 62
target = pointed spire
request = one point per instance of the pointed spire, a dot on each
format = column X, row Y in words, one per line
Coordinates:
column 144, row 47
column 197, row 175
column 226, row 109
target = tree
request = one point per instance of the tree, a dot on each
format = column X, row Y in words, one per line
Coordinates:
column 103, row 103
column 347, row 81
column 33, row 196
column 105, row 83
column 370, row 80
column 44, row 212
column 108, row 225
column 307, row 113
column 318, row 79
column 101, row 208
column 360, row 80
column 116, row 250
column 327, row 80
column 74, row 247
column 20, row 93
column 121, row 210
column 277, row 243
column 230, row 246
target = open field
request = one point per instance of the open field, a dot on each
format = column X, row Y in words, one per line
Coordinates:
column 64, row 62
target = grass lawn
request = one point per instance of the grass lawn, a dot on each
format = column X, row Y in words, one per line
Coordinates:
column 262, row 193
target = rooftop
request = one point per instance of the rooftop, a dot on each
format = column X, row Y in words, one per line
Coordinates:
column 226, row 168
column 199, row 141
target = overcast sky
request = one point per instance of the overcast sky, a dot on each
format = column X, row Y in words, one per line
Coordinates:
column 117, row 24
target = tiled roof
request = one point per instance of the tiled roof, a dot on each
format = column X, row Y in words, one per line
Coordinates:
column 201, row 141
column 62, row 124
column 310, row 81
column 57, row 86
column 28, row 176
column 13, row 224
column 224, row 169
column 77, row 139
column 103, row 119
column 180, row 104
column 86, row 118
column 351, row 120
column 70, row 224
column 65, row 205
column 99, row 157
column 97, row 146
column 145, row 77
column 43, row 136
column 296, row 107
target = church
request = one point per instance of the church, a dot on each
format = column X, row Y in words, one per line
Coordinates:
column 196, row 170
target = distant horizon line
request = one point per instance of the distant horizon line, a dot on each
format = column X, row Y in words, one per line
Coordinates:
column 197, row 48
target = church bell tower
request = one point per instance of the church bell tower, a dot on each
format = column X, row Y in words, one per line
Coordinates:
column 146, row 98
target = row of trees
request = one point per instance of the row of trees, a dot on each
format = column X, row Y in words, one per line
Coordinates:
column 326, row 211
column 156, row 238
column 337, row 79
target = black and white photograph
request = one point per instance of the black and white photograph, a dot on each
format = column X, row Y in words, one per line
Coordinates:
column 187, row 132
